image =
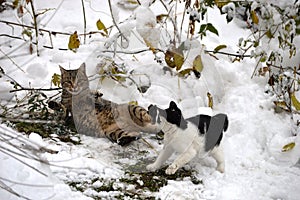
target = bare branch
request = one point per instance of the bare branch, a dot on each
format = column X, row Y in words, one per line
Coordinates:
column 131, row 52
column 12, row 61
column 35, row 89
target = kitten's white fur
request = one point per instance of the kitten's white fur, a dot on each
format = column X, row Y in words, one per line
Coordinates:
column 187, row 143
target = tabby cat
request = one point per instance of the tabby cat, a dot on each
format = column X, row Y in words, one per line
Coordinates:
column 95, row 116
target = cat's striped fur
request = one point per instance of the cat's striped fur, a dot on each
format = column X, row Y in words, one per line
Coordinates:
column 95, row 116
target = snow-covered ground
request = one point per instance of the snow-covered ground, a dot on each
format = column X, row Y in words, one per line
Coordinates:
column 256, row 167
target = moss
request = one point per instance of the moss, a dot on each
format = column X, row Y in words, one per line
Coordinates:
column 78, row 186
column 153, row 181
column 63, row 132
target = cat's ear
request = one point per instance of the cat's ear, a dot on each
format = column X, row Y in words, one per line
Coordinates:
column 82, row 67
column 172, row 105
column 62, row 70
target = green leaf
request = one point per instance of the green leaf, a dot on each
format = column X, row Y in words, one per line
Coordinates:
column 202, row 28
column 269, row 34
column 218, row 48
column 207, row 27
column 281, row 104
column 27, row 32
column 263, row 59
column 101, row 27
column 15, row 3
column 254, row 17
column 221, row 3
column 74, row 42
column 197, row 64
column 212, row 29
column 56, row 79
column 179, row 60
column 174, row 58
column 184, row 72
column 295, row 102
column 288, row 147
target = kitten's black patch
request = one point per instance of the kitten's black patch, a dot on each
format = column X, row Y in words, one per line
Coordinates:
column 155, row 113
column 201, row 121
column 214, row 134
column 174, row 116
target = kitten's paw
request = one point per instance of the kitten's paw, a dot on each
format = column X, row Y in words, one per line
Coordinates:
column 152, row 167
column 221, row 168
column 171, row 169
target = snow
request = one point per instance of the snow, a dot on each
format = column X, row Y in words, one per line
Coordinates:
column 256, row 168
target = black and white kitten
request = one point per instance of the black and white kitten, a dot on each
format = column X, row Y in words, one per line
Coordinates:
column 197, row 135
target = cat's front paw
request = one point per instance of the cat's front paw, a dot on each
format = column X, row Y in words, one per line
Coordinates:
column 171, row 169
column 152, row 167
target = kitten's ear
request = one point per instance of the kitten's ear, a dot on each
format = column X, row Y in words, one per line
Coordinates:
column 172, row 105
column 82, row 67
column 150, row 106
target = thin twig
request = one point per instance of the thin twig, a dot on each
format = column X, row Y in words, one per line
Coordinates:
column 149, row 145
column 84, row 21
column 23, row 162
column 256, row 66
column 35, row 28
column 12, row 61
column 8, row 189
column 172, row 20
column 115, row 23
column 48, row 31
column 228, row 54
column 24, row 184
